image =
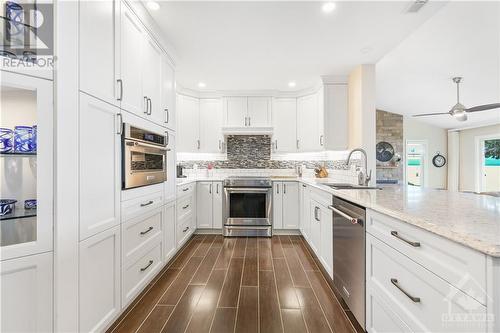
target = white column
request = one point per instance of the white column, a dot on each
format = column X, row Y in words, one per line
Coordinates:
column 453, row 160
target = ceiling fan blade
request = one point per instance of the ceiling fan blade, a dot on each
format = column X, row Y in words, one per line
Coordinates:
column 429, row 114
column 483, row 107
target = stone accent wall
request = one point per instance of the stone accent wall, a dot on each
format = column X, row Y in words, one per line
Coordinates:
column 390, row 129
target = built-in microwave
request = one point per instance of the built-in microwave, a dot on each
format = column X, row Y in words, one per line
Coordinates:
column 144, row 157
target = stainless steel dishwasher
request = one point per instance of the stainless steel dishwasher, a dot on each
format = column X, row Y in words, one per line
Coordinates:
column 349, row 255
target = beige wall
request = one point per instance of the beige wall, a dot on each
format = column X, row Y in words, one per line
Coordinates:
column 437, row 141
column 468, row 154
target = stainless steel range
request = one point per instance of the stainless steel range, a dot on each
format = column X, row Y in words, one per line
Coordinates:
column 247, row 207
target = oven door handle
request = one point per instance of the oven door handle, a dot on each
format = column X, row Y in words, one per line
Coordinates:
column 141, row 144
column 247, row 190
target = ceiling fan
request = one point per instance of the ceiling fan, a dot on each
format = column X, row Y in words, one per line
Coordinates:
column 459, row 111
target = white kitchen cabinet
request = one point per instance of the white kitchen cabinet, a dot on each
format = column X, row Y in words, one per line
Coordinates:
column 236, row 111
column 284, row 115
column 309, row 128
column 326, row 247
column 336, row 112
column 211, row 121
column 209, row 205
column 151, row 80
column 99, row 29
column 99, row 166
column 168, row 93
column 27, row 294
column 259, row 111
column 170, row 185
column 99, row 282
column 169, row 231
column 131, row 62
column 305, row 210
column 188, row 139
column 315, row 229
column 285, row 205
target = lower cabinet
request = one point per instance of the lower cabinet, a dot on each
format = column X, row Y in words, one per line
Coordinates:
column 305, row 210
column 169, row 232
column 321, row 234
column 99, row 287
column 26, row 294
column 286, row 205
column 209, row 205
column 186, row 213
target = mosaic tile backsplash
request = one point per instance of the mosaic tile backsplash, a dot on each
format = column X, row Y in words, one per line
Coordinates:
column 254, row 152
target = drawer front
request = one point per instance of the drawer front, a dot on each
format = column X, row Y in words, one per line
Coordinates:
column 423, row 301
column 185, row 228
column 322, row 197
column 138, row 274
column 185, row 206
column 183, row 190
column 138, row 206
column 139, row 232
column 457, row 264
column 381, row 318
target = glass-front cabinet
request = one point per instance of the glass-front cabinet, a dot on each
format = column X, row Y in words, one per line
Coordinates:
column 26, row 165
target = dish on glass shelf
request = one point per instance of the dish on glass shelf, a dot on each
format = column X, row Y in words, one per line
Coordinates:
column 6, row 143
column 23, row 139
column 30, row 204
column 7, row 206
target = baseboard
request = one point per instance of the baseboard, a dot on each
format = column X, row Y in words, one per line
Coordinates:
column 286, row 232
column 208, row 231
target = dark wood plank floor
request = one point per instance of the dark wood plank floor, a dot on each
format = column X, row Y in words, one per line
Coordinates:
column 219, row 285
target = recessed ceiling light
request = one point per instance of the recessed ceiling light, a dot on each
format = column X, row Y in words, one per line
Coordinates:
column 328, row 7
column 201, row 85
column 292, row 84
column 153, row 5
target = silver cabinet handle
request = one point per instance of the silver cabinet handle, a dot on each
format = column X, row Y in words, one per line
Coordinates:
column 120, row 83
column 150, row 103
column 217, row 188
column 249, row 121
column 198, row 143
column 303, row 185
column 146, row 104
column 186, row 229
column 120, row 124
column 414, row 244
column 414, row 299
column 284, row 188
column 185, row 189
column 276, row 144
column 146, row 231
column 185, row 207
column 344, row 215
column 147, row 266
column 277, row 188
column 147, row 203
column 298, row 146
column 220, row 145
column 246, row 121
column 316, row 211
column 210, row 189
column 167, row 116
column 321, row 140
column 167, row 137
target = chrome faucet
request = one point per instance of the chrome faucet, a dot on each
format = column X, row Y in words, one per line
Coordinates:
column 364, row 177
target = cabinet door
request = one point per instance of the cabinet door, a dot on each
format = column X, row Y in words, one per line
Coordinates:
column 151, row 80
column 100, row 167
column 170, row 184
column 305, row 211
column 307, row 120
column 277, row 205
column 336, row 113
column 326, row 252
column 290, row 205
column 315, row 230
column 168, row 93
column 204, row 204
column 236, row 111
column 99, row 280
column 26, row 294
column 187, row 124
column 285, row 125
column 131, row 62
column 217, row 205
column 259, row 111
column 169, row 231
column 211, row 138
column 98, row 61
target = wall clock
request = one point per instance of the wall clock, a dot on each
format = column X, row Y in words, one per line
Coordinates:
column 438, row 160
column 385, row 151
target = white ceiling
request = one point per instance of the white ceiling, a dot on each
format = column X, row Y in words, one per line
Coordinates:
column 462, row 39
column 263, row 45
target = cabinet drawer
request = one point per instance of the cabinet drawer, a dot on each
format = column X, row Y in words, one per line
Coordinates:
column 322, row 197
column 185, row 228
column 457, row 264
column 423, row 301
column 138, row 274
column 139, row 232
column 185, row 206
column 138, row 206
column 187, row 189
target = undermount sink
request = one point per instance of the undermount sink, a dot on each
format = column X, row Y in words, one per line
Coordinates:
column 342, row 186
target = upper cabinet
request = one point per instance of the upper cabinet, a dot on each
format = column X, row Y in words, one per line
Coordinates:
column 188, row 124
column 247, row 112
column 284, row 125
column 124, row 66
column 211, row 119
column 309, row 128
column 336, row 114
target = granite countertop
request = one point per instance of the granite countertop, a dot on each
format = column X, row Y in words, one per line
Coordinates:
column 466, row 218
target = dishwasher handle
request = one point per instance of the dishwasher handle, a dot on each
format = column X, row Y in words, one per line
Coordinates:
column 353, row 220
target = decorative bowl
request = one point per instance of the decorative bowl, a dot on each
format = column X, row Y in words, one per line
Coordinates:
column 7, row 206
column 6, row 140
column 30, row 204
